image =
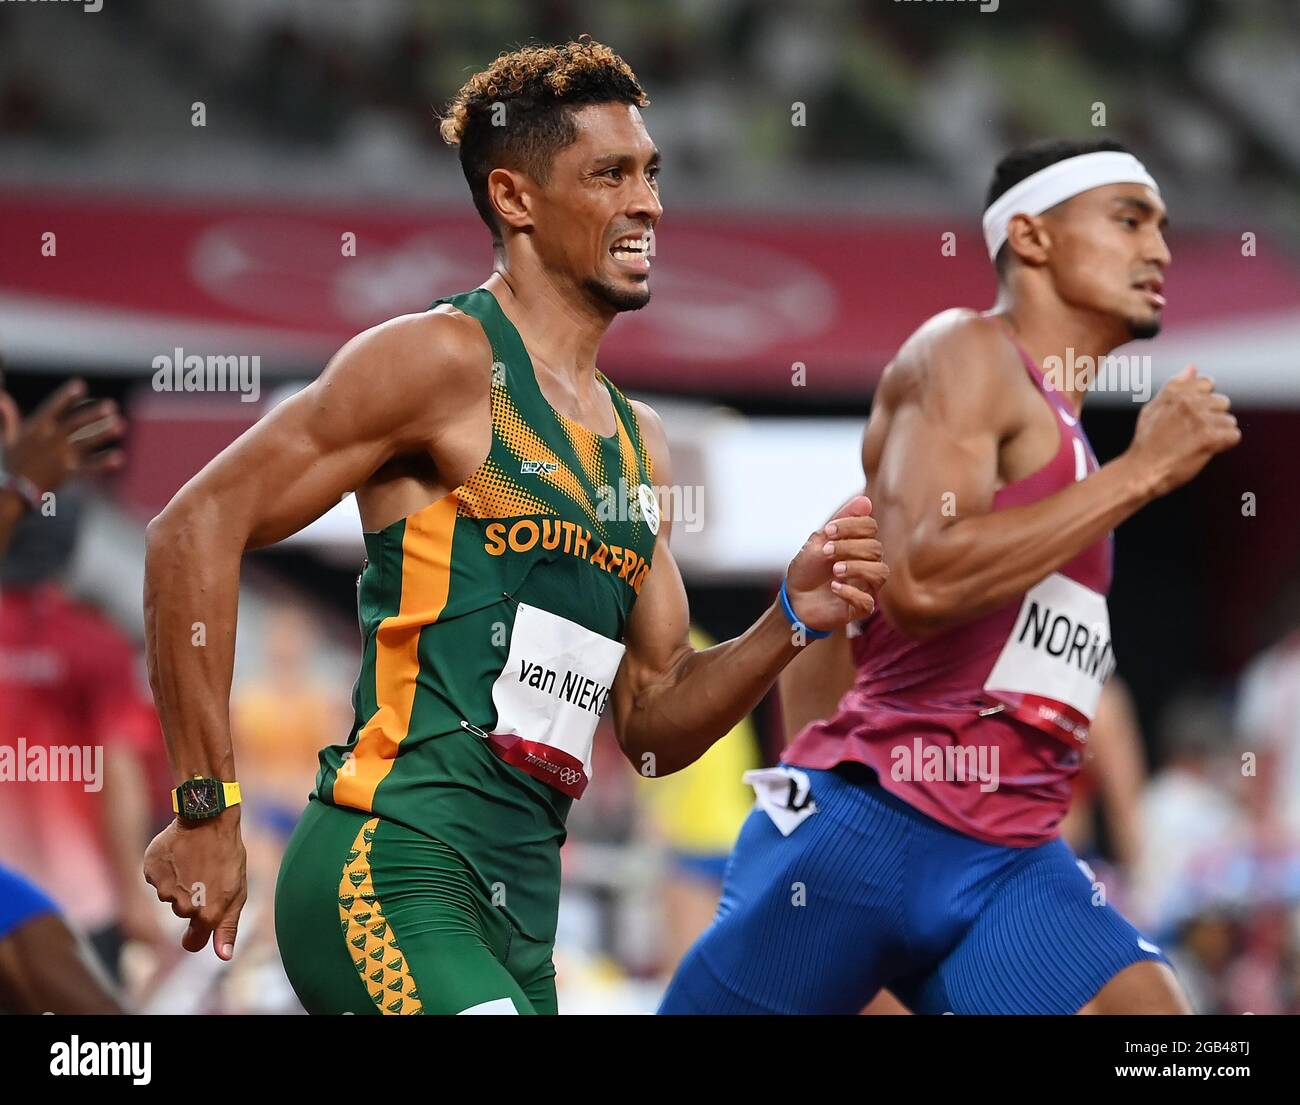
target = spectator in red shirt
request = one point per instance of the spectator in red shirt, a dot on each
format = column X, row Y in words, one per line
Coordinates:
column 77, row 739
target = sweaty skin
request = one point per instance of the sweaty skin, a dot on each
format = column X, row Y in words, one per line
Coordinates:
column 956, row 418
column 402, row 416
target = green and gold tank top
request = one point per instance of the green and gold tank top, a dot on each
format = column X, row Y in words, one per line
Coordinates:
column 492, row 623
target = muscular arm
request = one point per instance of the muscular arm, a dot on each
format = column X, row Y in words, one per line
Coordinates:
column 671, row 702
column 932, row 455
column 936, row 454
column 392, row 390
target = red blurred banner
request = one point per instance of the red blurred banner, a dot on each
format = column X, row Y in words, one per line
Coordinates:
column 739, row 298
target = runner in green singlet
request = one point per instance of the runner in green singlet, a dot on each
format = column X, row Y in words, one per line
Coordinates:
column 518, row 581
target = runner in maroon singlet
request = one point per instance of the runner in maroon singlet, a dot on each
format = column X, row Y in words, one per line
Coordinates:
column 997, row 522
column 914, row 819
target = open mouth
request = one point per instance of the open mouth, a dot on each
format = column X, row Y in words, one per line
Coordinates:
column 632, row 250
column 1151, row 288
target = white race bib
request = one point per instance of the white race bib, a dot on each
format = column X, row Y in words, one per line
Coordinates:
column 1058, row 656
column 550, row 695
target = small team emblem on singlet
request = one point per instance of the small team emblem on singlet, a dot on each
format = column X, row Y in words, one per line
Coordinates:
column 532, row 467
column 645, row 498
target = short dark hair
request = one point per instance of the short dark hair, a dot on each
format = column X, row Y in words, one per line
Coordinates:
column 538, row 87
column 1025, row 161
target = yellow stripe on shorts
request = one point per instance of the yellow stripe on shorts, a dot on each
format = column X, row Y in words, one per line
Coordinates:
column 371, row 942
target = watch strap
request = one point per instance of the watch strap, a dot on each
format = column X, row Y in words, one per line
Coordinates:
column 230, row 792
column 230, row 795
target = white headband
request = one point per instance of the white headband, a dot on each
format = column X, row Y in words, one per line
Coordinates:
column 1056, row 184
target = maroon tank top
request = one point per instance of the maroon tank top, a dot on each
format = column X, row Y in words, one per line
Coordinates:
column 982, row 726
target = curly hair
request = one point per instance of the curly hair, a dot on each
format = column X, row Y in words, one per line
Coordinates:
column 517, row 113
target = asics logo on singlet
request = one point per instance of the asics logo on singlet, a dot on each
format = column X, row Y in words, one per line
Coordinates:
column 532, row 467
column 1069, row 420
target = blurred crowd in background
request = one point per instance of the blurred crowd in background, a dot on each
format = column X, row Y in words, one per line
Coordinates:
column 1205, row 87
column 1187, row 809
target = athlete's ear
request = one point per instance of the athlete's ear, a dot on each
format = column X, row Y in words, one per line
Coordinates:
column 511, row 196
column 1028, row 239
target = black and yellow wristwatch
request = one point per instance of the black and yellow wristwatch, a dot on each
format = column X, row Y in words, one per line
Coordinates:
column 200, row 798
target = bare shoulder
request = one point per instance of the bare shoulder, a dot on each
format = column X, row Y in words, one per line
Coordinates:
column 656, row 440
column 957, row 358
column 409, row 368
column 442, row 346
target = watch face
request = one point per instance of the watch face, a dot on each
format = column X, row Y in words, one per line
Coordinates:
column 200, row 798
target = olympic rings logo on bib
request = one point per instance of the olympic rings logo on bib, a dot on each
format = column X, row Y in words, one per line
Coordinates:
column 1056, row 659
column 550, row 695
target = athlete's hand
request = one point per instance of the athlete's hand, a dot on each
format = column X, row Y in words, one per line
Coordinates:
column 835, row 577
column 1178, row 432
column 141, row 921
column 199, row 868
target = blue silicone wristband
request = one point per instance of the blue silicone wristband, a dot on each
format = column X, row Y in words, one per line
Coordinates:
column 811, row 634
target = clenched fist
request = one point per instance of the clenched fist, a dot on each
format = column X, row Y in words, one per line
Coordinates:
column 200, row 869
column 1178, row 432
column 834, row 578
